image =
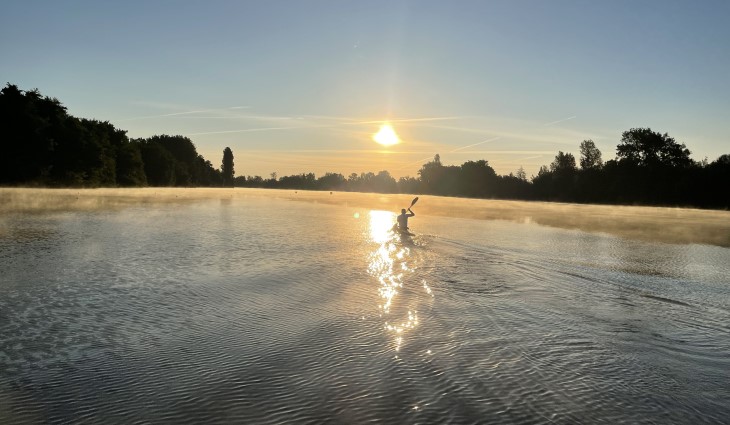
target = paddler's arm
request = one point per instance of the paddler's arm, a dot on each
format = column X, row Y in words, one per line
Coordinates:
column 411, row 213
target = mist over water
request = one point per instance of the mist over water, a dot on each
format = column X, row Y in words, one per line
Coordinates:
column 669, row 225
column 230, row 305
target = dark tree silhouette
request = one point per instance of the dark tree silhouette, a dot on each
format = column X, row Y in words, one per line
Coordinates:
column 159, row 164
column 643, row 147
column 477, row 179
column 432, row 174
column 521, row 174
column 227, row 167
column 563, row 162
column 29, row 124
column 590, row 156
column 409, row 185
column 335, row 181
column 41, row 144
column 130, row 167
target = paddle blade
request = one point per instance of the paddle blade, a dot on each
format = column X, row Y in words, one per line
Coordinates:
column 414, row 201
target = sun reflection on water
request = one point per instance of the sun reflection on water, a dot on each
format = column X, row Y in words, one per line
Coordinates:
column 380, row 224
column 392, row 263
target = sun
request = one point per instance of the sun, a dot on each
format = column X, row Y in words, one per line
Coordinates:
column 386, row 136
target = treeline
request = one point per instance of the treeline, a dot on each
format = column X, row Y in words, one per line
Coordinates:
column 650, row 168
column 43, row 145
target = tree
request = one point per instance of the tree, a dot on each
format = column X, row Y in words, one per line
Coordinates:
column 383, row 182
column 183, row 151
column 159, row 164
column 130, row 168
column 29, row 125
column 474, row 178
column 563, row 177
column 409, row 184
column 521, row 174
column 330, row 181
column 227, row 167
column 590, row 156
column 564, row 162
column 542, row 182
column 643, row 147
column 205, row 174
column 431, row 173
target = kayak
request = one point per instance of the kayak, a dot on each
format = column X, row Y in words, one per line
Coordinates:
column 402, row 232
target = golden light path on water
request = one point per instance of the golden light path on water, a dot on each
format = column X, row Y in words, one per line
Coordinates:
column 391, row 263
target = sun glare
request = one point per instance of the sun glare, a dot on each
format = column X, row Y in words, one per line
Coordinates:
column 386, row 136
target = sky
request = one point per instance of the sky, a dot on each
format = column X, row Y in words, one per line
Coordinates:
column 303, row 85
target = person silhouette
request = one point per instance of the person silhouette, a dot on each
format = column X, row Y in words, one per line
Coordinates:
column 402, row 225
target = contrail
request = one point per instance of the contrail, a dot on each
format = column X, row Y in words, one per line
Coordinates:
column 477, row 144
column 253, row 130
column 182, row 113
column 410, row 120
column 531, row 157
column 343, row 151
column 559, row 121
column 455, row 150
column 250, row 130
column 420, row 161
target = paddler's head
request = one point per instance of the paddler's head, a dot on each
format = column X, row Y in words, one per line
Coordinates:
column 403, row 211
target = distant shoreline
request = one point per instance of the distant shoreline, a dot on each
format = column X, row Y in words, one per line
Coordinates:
column 51, row 148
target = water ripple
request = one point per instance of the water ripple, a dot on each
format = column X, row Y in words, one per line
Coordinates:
column 265, row 312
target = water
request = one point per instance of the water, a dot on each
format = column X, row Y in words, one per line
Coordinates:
column 253, row 307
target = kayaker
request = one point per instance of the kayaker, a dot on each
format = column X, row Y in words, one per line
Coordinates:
column 403, row 219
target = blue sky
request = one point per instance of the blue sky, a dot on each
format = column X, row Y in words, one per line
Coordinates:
column 299, row 86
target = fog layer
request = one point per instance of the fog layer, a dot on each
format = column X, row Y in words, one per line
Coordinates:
column 668, row 225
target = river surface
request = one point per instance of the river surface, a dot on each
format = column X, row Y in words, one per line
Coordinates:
column 244, row 306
